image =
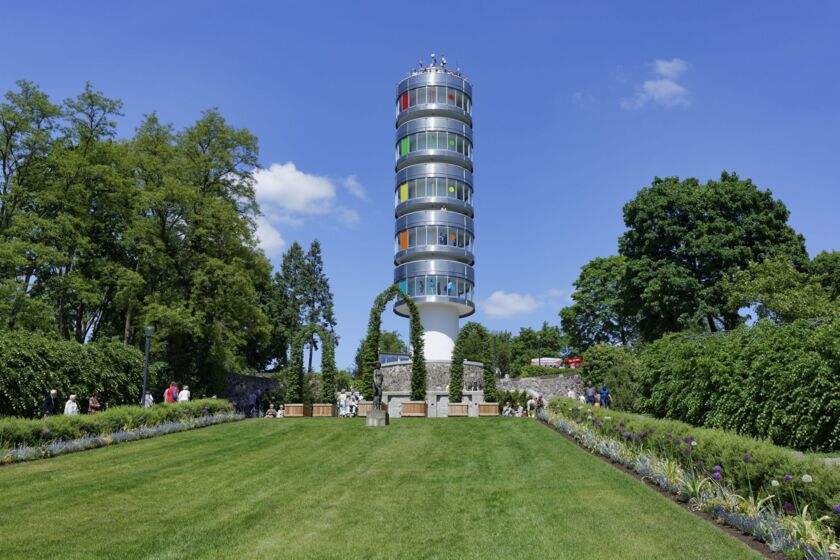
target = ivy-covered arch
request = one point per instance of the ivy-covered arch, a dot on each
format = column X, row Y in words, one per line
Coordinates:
column 456, row 370
column 370, row 350
column 294, row 382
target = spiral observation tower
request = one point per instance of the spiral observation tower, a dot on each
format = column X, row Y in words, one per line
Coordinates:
column 434, row 232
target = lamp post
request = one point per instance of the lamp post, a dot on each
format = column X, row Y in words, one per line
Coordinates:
column 149, row 330
column 539, row 351
column 495, row 363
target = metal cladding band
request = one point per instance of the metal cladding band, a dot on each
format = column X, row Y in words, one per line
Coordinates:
column 429, row 124
column 433, row 191
column 434, row 218
column 433, row 169
column 433, row 268
column 434, row 79
column 433, row 203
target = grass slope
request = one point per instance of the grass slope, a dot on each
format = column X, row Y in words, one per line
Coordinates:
column 328, row 488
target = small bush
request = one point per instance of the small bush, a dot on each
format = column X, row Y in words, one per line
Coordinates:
column 20, row 431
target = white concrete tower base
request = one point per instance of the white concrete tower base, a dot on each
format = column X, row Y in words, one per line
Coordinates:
column 440, row 329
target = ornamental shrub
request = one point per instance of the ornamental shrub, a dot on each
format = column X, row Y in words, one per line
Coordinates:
column 539, row 371
column 456, row 370
column 18, row 431
column 779, row 382
column 32, row 364
column 768, row 462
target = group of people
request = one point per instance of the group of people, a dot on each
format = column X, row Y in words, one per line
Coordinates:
column 275, row 412
column 348, row 404
column 592, row 396
column 531, row 408
column 71, row 407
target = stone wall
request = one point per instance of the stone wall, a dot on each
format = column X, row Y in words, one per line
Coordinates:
column 397, row 375
column 549, row 386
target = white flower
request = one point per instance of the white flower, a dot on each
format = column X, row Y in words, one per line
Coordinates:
column 607, row 417
column 806, row 478
column 693, row 444
column 774, row 483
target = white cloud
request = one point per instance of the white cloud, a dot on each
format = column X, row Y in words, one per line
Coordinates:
column 286, row 194
column 670, row 68
column 269, row 237
column 353, row 185
column 290, row 189
column 663, row 89
column 504, row 304
column 554, row 292
column 583, row 99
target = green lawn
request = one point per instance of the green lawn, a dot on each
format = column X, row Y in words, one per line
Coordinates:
column 331, row 488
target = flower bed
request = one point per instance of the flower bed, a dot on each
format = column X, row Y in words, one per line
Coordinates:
column 24, row 440
column 786, row 526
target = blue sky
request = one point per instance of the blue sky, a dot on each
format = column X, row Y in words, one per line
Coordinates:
column 577, row 106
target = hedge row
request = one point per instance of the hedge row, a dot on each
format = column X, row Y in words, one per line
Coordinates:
column 767, row 462
column 20, row 431
column 31, row 365
column 780, row 382
column 539, row 371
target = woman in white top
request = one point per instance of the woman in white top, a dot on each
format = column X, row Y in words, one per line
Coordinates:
column 70, row 407
column 184, row 394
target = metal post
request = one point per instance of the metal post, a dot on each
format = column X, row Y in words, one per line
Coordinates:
column 149, row 331
column 539, row 351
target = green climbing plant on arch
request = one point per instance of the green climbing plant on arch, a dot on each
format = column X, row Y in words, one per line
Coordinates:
column 294, row 382
column 370, row 350
column 456, row 370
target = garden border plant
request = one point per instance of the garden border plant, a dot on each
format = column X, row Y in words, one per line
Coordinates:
column 370, row 346
column 294, row 381
column 456, row 369
column 28, row 439
column 749, row 466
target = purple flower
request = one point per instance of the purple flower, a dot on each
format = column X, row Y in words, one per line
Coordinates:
column 45, row 432
column 621, row 424
column 788, row 477
column 650, row 430
column 716, row 468
column 689, row 439
column 716, row 475
column 788, row 507
column 626, row 434
column 687, row 450
column 747, row 458
column 836, row 509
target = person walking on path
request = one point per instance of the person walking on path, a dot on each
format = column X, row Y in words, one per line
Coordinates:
column 531, row 405
column 148, row 400
column 71, row 408
column 171, row 394
column 93, row 403
column 590, row 393
column 184, row 394
column 50, row 405
column 606, row 398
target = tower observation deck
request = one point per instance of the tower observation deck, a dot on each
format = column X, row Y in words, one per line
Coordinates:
column 434, row 233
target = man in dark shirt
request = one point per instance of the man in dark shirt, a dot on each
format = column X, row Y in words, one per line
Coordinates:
column 50, row 404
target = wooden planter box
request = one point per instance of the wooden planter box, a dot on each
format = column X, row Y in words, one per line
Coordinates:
column 413, row 409
column 458, row 409
column 324, row 409
column 488, row 409
column 364, row 406
column 298, row 410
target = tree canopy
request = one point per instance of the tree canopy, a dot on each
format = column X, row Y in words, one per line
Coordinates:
column 684, row 239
